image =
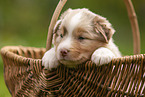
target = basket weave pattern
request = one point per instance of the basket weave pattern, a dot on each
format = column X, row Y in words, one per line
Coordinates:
column 25, row 76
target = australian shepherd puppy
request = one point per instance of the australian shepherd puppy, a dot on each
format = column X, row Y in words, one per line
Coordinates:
column 78, row 36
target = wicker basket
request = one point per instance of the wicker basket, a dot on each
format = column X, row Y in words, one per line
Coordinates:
column 25, row 76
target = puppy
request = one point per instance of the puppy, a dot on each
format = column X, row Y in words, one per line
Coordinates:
column 81, row 35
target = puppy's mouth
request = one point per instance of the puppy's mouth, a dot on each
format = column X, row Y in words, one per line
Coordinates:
column 73, row 62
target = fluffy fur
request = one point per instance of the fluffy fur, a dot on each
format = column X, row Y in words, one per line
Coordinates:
column 81, row 35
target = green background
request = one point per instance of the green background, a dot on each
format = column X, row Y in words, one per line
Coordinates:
column 25, row 22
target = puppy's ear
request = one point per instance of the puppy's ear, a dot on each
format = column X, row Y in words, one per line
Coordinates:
column 103, row 28
column 56, row 27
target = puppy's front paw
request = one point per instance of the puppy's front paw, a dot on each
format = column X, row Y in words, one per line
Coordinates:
column 49, row 59
column 102, row 56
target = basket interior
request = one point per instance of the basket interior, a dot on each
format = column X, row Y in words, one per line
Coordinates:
column 30, row 52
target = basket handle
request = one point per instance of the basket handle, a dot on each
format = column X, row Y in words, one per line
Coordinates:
column 53, row 22
column 134, row 25
column 131, row 15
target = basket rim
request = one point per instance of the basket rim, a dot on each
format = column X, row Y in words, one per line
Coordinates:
column 8, row 51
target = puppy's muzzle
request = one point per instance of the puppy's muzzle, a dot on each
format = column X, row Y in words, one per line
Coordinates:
column 64, row 52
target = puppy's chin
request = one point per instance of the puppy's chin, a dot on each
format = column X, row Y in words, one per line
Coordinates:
column 73, row 62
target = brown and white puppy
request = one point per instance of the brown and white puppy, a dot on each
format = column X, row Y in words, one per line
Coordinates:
column 81, row 35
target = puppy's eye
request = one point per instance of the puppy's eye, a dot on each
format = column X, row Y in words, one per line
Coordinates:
column 61, row 35
column 81, row 38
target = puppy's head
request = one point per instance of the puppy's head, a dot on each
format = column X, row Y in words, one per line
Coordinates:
column 78, row 34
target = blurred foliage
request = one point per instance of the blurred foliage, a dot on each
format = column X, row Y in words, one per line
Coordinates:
column 25, row 22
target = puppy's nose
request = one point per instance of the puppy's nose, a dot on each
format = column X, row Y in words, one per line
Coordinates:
column 64, row 52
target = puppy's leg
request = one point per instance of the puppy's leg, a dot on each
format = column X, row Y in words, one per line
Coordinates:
column 102, row 56
column 49, row 59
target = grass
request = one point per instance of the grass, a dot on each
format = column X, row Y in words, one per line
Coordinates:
column 3, row 89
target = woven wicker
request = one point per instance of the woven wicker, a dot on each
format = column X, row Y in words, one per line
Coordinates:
column 25, row 76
